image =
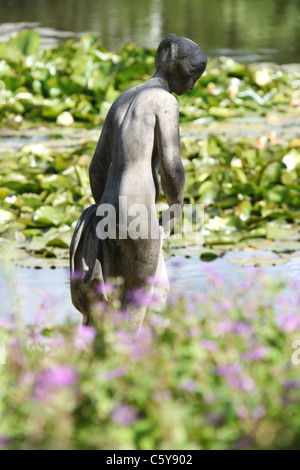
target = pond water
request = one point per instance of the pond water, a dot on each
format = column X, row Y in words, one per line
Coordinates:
column 30, row 292
column 251, row 31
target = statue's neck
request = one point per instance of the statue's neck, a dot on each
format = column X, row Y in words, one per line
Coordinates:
column 162, row 81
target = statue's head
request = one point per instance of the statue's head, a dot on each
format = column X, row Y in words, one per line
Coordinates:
column 181, row 62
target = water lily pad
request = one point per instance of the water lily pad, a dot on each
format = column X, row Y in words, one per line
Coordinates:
column 258, row 261
column 48, row 215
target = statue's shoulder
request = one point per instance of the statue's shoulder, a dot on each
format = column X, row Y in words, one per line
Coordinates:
column 164, row 100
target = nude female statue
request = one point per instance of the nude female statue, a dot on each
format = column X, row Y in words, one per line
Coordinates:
column 140, row 135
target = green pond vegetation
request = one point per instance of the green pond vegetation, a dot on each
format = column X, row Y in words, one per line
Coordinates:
column 240, row 147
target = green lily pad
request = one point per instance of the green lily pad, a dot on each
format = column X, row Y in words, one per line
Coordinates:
column 48, row 215
column 284, row 246
column 258, row 261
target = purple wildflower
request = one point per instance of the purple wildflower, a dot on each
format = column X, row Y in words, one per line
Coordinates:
column 257, row 354
column 194, row 332
column 291, row 384
column 242, row 411
column 289, row 323
column 137, row 346
column 138, row 297
column 124, row 414
column 159, row 320
column 224, row 306
column 227, row 370
column 5, row 441
column 244, row 384
column 215, row 418
column 209, row 345
column 156, row 281
column 51, row 379
column 200, row 298
column 224, row 326
column 105, row 288
column 114, row 373
column 242, row 328
column 84, row 337
column 77, row 275
column 258, row 412
column 189, row 385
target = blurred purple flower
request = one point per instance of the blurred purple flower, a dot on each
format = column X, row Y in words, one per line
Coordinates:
column 173, row 299
column 289, row 323
column 189, row 385
column 241, row 411
column 5, row 441
column 138, row 297
column 137, row 346
column 105, row 288
column 76, row 275
column 156, row 281
column 214, row 276
column 242, row 328
column 194, row 331
column 224, row 326
column 224, row 306
column 84, row 337
column 285, row 300
column 114, row 373
column 124, row 414
column 176, row 262
column 227, row 370
column 159, row 320
column 244, row 384
column 244, row 443
column 258, row 412
column 200, row 298
column 291, row 384
column 244, row 285
column 215, row 418
column 257, row 354
column 50, row 379
column 209, row 345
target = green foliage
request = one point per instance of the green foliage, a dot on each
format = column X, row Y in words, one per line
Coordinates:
column 82, row 78
column 215, row 372
column 249, row 186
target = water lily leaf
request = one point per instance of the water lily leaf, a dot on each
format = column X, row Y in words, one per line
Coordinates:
column 42, row 263
column 243, row 210
column 48, row 215
column 281, row 233
column 221, row 113
column 62, row 240
column 271, row 173
column 284, row 246
column 208, row 256
column 258, row 261
column 277, row 194
column 19, row 183
column 27, row 42
column 208, row 192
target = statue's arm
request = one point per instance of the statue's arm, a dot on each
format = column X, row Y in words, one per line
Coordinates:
column 171, row 167
column 100, row 164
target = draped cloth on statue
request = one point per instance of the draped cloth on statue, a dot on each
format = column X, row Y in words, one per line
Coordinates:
column 92, row 261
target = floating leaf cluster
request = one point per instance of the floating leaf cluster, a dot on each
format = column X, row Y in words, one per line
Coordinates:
column 249, row 186
column 78, row 80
